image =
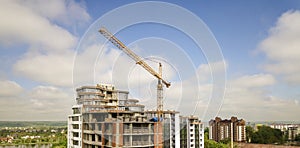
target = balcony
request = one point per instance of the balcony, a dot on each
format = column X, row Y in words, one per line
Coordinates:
column 92, row 142
column 88, row 131
column 142, row 143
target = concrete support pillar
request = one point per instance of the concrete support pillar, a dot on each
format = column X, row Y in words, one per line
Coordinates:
column 130, row 129
column 103, row 137
column 149, row 131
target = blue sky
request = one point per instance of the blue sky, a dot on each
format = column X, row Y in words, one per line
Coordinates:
column 259, row 41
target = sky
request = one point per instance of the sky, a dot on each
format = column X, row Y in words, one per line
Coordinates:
column 223, row 58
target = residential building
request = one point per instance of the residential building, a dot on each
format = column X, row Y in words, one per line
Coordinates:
column 282, row 127
column 106, row 117
column 291, row 130
column 225, row 129
column 191, row 132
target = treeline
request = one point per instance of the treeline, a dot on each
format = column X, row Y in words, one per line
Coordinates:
column 263, row 135
column 32, row 123
column 267, row 135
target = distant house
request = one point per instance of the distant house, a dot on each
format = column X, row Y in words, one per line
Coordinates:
column 8, row 139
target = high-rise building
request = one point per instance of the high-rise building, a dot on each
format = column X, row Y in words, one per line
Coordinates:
column 106, row 117
column 191, row 132
column 223, row 129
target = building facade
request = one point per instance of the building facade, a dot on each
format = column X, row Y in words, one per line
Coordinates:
column 106, row 117
column 191, row 132
column 225, row 129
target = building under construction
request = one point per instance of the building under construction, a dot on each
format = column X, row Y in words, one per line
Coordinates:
column 106, row 117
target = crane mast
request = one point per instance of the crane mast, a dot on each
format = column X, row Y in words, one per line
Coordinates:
column 141, row 62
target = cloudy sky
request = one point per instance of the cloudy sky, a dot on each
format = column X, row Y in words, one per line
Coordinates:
column 222, row 58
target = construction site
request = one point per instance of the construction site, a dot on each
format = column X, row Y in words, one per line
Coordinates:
column 105, row 117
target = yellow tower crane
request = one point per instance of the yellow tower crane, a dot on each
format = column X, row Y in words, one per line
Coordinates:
column 139, row 61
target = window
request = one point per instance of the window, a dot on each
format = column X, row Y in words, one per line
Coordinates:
column 75, row 118
column 93, row 137
column 76, row 111
column 75, row 134
column 75, row 126
column 75, row 142
column 99, row 138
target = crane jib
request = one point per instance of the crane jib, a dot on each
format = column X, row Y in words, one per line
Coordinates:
column 139, row 61
column 131, row 54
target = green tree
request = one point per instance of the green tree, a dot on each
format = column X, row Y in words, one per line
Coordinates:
column 206, row 130
column 62, row 141
column 267, row 135
column 225, row 141
column 249, row 133
column 211, row 143
column 297, row 138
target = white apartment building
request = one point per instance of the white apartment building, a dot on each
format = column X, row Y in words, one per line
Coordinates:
column 192, row 132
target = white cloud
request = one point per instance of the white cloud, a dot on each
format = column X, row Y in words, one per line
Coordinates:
column 89, row 68
column 52, row 69
column 20, row 24
column 47, row 93
column 40, row 28
column 35, row 24
column 66, row 12
column 254, row 81
column 57, row 69
column 9, row 88
column 40, row 103
column 50, row 99
column 282, row 47
column 249, row 97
